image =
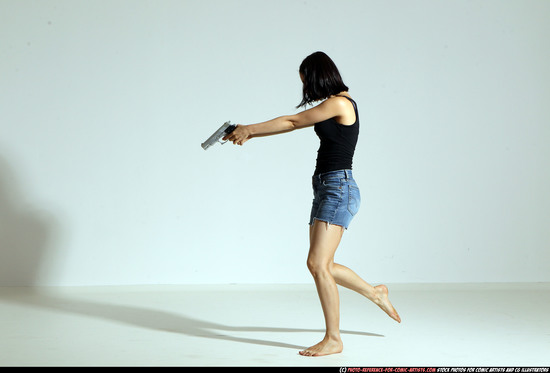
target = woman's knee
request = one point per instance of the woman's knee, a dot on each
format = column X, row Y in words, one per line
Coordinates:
column 318, row 267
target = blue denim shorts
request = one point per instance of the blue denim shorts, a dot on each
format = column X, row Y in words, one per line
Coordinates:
column 336, row 198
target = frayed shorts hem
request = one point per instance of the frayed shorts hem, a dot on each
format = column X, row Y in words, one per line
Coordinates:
column 326, row 221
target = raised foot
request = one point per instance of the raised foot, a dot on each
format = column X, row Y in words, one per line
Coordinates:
column 384, row 302
column 327, row 346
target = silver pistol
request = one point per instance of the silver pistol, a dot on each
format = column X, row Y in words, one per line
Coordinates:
column 225, row 129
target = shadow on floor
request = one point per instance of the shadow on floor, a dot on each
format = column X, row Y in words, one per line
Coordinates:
column 159, row 320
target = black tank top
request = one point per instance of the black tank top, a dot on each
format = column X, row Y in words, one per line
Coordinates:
column 337, row 143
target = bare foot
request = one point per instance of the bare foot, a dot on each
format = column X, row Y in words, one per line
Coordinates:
column 326, row 347
column 384, row 302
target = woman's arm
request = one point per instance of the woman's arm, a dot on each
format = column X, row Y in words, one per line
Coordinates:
column 330, row 108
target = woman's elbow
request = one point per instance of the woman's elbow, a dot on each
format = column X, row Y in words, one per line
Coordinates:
column 295, row 123
column 288, row 123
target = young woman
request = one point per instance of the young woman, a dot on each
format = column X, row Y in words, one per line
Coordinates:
column 336, row 195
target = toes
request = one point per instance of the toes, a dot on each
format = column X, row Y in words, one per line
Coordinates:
column 307, row 353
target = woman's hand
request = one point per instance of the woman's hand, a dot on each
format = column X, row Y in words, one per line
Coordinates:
column 239, row 136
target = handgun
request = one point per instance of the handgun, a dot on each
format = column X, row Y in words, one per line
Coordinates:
column 225, row 129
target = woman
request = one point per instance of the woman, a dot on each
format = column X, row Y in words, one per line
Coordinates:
column 336, row 195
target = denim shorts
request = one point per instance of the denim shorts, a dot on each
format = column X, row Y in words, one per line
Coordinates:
column 336, row 198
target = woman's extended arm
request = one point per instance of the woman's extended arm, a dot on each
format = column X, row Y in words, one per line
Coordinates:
column 333, row 107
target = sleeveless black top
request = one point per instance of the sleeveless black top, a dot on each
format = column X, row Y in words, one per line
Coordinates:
column 337, row 143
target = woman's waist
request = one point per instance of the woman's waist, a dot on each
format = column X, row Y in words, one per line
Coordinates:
column 335, row 174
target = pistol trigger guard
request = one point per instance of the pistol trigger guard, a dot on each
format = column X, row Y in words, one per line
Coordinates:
column 223, row 142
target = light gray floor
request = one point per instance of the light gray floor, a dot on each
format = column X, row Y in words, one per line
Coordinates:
column 266, row 325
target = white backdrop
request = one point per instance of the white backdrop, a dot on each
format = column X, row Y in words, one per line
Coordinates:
column 104, row 104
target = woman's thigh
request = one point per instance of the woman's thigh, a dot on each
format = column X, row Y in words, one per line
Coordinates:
column 324, row 239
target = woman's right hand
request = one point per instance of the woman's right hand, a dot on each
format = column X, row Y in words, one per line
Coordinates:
column 239, row 136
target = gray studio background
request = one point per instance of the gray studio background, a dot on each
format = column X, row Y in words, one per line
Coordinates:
column 104, row 104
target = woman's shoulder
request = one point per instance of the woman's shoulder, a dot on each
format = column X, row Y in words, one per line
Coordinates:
column 345, row 106
column 344, row 101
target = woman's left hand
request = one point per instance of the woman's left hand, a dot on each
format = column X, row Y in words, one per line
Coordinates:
column 239, row 136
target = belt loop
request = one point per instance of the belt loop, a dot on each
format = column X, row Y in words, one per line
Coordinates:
column 346, row 172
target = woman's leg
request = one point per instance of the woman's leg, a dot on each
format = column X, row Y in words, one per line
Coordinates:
column 324, row 240
column 378, row 294
column 345, row 277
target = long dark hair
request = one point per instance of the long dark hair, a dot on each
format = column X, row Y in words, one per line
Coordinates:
column 321, row 78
